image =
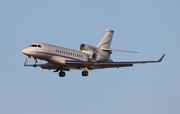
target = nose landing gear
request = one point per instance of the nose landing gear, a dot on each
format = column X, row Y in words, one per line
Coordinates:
column 85, row 73
column 35, row 62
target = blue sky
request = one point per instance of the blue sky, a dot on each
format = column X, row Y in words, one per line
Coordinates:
column 149, row 27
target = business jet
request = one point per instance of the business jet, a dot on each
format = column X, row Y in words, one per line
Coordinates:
column 89, row 57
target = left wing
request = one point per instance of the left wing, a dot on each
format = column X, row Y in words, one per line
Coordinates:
column 35, row 65
column 48, row 66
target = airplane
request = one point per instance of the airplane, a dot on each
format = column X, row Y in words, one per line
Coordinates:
column 89, row 57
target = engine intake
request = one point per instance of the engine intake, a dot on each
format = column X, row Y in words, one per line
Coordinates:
column 94, row 56
column 82, row 47
column 98, row 57
column 92, row 52
column 85, row 47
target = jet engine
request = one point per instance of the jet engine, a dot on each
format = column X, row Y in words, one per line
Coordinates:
column 92, row 51
column 85, row 47
column 98, row 57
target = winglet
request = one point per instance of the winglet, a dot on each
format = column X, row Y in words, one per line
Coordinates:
column 161, row 58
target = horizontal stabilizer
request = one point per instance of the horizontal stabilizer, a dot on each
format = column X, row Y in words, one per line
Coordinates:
column 105, row 49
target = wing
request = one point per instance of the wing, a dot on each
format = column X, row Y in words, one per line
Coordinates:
column 49, row 66
column 76, row 65
column 101, row 65
column 43, row 66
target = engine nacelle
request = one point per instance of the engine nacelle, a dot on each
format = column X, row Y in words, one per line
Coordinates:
column 85, row 47
column 98, row 57
column 92, row 51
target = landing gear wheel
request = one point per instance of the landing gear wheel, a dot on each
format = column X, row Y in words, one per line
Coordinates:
column 62, row 74
column 35, row 62
column 85, row 73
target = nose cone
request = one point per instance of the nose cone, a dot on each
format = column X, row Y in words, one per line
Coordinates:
column 24, row 51
column 29, row 51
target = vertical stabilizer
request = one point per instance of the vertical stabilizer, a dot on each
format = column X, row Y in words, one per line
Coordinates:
column 106, row 40
column 105, row 43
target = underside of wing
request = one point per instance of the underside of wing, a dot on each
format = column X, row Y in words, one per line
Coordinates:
column 101, row 65
column 57, row 67
column 48, row 66
column 78, row 65
column 97, row 65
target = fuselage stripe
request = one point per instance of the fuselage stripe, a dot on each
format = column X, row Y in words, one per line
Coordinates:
column 60, row 56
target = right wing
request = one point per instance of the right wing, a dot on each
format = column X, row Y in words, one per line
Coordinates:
column 101, row 65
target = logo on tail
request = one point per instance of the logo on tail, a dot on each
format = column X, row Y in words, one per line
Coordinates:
column 106, row 40
column 105, row 43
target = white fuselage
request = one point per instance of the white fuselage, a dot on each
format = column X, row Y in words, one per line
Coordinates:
column 54, row 54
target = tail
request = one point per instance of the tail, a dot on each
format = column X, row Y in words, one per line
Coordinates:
column 106, row 40
column 105, row 43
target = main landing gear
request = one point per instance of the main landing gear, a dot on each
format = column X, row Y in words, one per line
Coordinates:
column 62, row 74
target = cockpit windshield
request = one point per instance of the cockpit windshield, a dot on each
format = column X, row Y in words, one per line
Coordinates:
column 35, row 45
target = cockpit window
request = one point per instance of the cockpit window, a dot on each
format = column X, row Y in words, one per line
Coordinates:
column 39, row 46
column 33, row 45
